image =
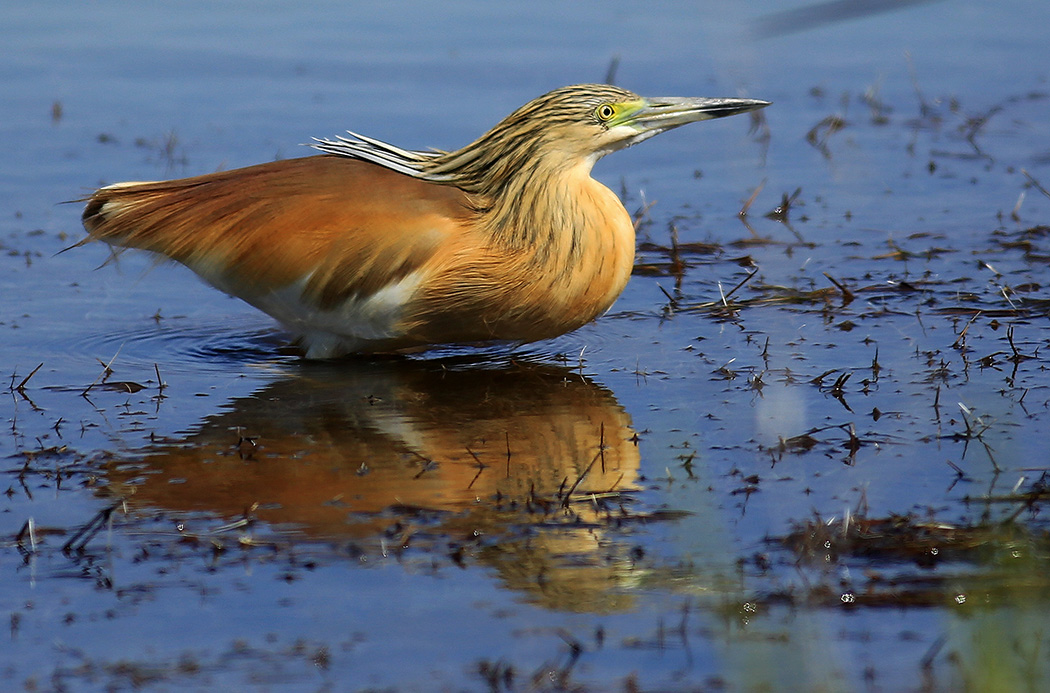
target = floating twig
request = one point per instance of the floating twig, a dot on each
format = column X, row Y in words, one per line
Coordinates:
column 79, row 540
column 961, row 341
column 106, row 372
column 847, row 295
column 745, row 280
column 21, row 386
column 568, row 494
column 1035, row 183
column 751, row 200
column 28, row 531
column 781, row 211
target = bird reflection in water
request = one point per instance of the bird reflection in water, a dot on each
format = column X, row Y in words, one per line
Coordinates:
column 525, row 466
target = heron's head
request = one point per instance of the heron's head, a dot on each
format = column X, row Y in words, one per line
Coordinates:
column 575, row 126
column 591, row 120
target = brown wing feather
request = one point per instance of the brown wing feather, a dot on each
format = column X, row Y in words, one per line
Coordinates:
column 342, row 233
column 264, row 227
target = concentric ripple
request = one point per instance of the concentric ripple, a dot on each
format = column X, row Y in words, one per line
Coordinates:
column 213, row 344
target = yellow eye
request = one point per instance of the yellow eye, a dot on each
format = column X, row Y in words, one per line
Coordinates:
column 604, row 112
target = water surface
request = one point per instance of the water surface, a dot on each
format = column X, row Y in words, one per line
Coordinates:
column 830, row 478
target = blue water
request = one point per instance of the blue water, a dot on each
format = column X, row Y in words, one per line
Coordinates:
column 911, row 210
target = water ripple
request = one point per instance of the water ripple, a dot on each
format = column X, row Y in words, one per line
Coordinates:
column 190, row 344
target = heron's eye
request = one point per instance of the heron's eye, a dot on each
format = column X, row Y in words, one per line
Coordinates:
column 605, row 112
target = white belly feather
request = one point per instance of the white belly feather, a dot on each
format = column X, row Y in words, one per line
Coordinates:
column 354, row 325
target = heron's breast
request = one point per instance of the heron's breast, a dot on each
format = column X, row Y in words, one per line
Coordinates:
column 573, row 270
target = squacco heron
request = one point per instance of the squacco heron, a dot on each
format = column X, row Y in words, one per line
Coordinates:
column 373, row 248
